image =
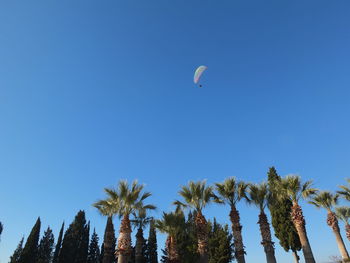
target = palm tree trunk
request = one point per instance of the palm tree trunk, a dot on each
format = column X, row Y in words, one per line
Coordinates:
column 202, row 235
column 347, row 231
column 124, row 241
column 296, row 257
column 266, row 238
column 109, row 242
column 299, row 223
column 139, row 246
column 237, row 235
column 172, row 249
column 332, row 221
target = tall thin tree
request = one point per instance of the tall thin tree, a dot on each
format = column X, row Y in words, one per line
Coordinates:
column 30, row 250
column 259, row 196
column 293, row 188
column 140, row 221
column 197, row 195
column 280, row 211
column 94, row 250
column 46, row 247
column 58, row 245
column 343, row 213
column 127, row 199
column 74, row 245
column 231, row 192
column 109, row 208
column 151, row 249
column 17, row 253
column 327, row 200
column 171, row 224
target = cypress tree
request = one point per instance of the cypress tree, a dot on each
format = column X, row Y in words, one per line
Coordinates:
column 30, row 250
column 58, row 245
column 220, row 243
column 164, row 258
column 46, row 247
column 1, row 228
column 151, row 246
column 187, row 241
column 281, row 217
column 94, row 250
column 74, row 241
column 109, row 243
column 102, row 252
column 83, row 249
column 17, row 253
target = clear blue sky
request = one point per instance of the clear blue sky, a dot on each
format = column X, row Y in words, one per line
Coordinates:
column 92, row 92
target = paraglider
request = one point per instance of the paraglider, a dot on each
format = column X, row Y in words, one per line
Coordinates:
column 198, row 73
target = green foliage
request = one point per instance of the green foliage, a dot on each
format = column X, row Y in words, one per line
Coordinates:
column 196, row 196
column 293, row 188
column 94, row 250
column 325, row 200
column 231, row 191
column 58, row 245
column 184, row 232
column 84, row 245
column 30, row 250
column 46, row 247
column 171, row 223
column 109, row 243
column 151, row 245
column 345, row 191
column 74, row 248
column 259, row 195
column 164, row 258
column 343, row 213
column 123, row 200
column 187, row 240
column 220, row 243
column 280, row 214
column 17, row 253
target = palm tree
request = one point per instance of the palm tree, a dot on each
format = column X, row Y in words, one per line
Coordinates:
column 140, row 221
column 126, row 200
column 343, row 213
column 260, row 197
column 327, row 200
column 345, row 192
column 109, row 208
column 231, row 192
column 196, row 197
column 292, row 187
column 171, row 224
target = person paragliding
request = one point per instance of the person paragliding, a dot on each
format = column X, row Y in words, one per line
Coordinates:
column 197, row 75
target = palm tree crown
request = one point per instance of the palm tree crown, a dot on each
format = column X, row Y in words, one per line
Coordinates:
column 259, row 195
column 196, row 196
column 343, row 213
column 124, row 200
column 171, row 223
column 108, row 207
column 231, row 191
column 292, row 187
column 345, row 192
column 325, row 200
column 141, row 219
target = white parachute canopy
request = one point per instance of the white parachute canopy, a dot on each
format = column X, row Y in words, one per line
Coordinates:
column 198, row 73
